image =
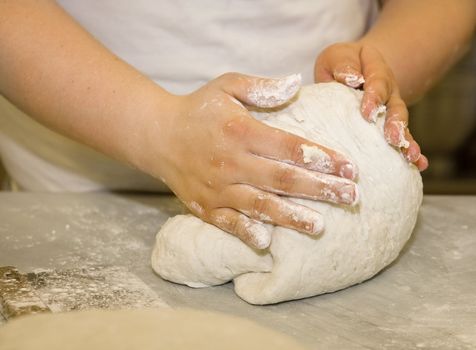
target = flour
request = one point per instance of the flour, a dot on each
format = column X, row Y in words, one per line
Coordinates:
column 268, row 93
column 260, row 235
column 353, row 80
column 321, row 160
column 378, row 111
column 402, row 142
column 358, row 240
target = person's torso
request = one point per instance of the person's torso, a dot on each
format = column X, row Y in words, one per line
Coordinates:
column 181, row 45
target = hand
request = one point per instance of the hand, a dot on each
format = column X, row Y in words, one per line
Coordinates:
column 356, row 65
column 231, row 170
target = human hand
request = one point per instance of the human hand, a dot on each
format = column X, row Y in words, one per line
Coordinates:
column 355, row 65
column 231, row 170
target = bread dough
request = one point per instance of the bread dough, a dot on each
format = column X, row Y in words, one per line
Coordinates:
column 357, row 242
column 139, row 329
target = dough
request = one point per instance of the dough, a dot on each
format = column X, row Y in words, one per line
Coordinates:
column 357, row 242
column 139, row 329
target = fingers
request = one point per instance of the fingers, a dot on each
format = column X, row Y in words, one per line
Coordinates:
column 382, row 97
column 413, row 153
column 397, row 133
column 251, row 232
column 272, row 209
column 422, row 163
column 340, row 62
column 378, row 87
column 396, row 122
column 284, row 179
column 275, row 144
column 260, row 92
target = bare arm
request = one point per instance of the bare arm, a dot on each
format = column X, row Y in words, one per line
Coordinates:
column 224, row 165
column 420, row 40
column 56, row 72
column 413, row 43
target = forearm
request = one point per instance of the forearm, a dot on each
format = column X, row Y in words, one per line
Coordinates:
column 59, row 74
column 420, row 40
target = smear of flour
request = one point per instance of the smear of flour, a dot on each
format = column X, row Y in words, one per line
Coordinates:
column 339, row 190
column 378, row 111
column 349, row 77
column 260, row 234
column 354, row 81
column 401, row 135
column 346, row 194
column 269, row 93
column 313, row 221
column 402, row 141
column 320, row 160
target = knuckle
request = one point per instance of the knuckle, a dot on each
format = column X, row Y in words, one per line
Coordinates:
column 338, row 46
column 260, row 205
column 221, row 221
column 293, row 148
column 284, row 179
column 347, row 67
column 237, row 226
column 397, row 111
column 380, row 86
column 229, row 76
column 399, row 105
column 237, row 128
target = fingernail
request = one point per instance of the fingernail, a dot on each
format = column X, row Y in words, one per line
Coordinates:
column 313, row 221
column 378, row 111
column 349, row 171
column 344, row 192
column 260, row 234
column 412, row 156
column 353, row 80
column 269, row 93
column 349, row 194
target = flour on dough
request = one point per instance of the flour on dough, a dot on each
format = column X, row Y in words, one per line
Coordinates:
column 357, row 242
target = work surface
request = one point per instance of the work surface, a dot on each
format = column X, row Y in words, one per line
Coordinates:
column 426, row 299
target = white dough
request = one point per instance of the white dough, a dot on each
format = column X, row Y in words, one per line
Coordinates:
column 357, row 242
column 140, row 329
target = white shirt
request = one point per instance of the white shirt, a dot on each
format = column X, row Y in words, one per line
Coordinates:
column 180, row 44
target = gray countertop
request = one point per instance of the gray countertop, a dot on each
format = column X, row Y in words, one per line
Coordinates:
column 426, row 299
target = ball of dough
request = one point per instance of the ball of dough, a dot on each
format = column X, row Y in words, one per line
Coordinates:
column 357, row 242
column 139, row 329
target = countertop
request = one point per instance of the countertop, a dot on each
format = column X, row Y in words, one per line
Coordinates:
column 426, row 299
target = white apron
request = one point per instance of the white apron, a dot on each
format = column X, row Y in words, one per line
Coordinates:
column 180, row 44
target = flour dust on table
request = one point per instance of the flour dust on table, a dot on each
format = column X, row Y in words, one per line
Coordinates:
column 357, row 242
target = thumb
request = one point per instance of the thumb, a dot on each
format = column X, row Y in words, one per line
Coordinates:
column 261, row 92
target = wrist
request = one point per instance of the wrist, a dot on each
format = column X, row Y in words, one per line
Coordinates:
column 146, row 133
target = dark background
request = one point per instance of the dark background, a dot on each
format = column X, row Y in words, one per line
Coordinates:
column 444, row 124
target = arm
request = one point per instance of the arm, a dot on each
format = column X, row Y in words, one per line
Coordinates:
column 57, row 73
column 224, row 165
column 420, row 40
column 412, row 44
